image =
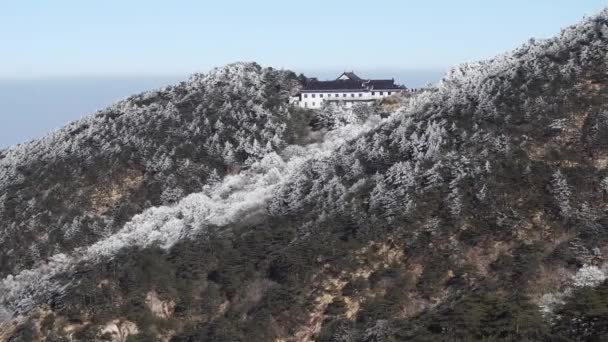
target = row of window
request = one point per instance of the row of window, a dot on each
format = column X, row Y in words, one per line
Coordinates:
column 314, row 104
column 344, row 94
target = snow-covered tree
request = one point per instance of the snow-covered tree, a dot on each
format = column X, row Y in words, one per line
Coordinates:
column 589, row 276
column 562, row 193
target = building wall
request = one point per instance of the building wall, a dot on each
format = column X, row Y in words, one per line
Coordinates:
column 316, row 99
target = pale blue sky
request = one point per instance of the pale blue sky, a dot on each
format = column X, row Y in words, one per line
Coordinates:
column 67, row 38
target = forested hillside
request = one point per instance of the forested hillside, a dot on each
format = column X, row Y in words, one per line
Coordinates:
column 475, row 210
column 86, row 180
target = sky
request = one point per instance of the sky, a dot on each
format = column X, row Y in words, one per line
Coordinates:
column 63, row 59
column 75, row 38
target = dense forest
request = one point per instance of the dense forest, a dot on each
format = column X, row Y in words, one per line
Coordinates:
column 87, row 180
column 213, row 211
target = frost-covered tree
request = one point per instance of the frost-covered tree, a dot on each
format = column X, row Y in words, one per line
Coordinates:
column 562, row 193
column 589, row 276
column 127, row 156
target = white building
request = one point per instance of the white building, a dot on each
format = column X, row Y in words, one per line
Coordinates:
column 347, row 89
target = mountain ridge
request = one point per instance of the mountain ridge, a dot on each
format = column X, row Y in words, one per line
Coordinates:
column 477, row 210
column 136, row 141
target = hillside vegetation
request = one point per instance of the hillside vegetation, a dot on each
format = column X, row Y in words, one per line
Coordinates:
column 474, row 211
column 86, row 180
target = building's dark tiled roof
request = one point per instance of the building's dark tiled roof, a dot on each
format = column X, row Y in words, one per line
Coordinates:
column 363, row 85
column 382, row 84
column 334, row 85
column 351, row 75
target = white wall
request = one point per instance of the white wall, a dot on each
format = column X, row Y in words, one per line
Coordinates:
column 315, row 100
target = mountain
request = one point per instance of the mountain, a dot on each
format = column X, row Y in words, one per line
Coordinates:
column 475, row 210
column 87, row 179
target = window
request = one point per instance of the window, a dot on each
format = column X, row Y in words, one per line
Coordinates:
column 343, row 95
column 305, row 95
column 337, row 95
column 373, row 93
column 352, row 95
column 381, row 93
column 389, row 93
column 321, row 95
column 360, row 95
column 313, row 104
column 305, row 104
column 314, row 95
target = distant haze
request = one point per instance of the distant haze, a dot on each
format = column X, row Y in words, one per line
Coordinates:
column 30, row 109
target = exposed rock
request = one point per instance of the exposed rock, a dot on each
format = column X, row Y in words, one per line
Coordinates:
column 160, row 308
column 118, row 330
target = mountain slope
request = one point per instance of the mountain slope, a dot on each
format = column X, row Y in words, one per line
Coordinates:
column 86, row 180
column 475, row 212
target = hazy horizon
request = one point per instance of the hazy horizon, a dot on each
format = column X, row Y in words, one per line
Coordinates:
column 65, row 59
column 68, row 38
column 32, row 108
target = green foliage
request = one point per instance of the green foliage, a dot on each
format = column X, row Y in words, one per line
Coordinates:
column 483, row 317
column 334, row 330
column 24, row 333
column 434, row 273
column 47, row 323
column 336, row 308
column 298, row 127
column 354, row 287
column 135, row 338
column 88, row 333
column 584, row 316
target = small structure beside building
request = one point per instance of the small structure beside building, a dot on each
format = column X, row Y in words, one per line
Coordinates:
column 347, row 90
